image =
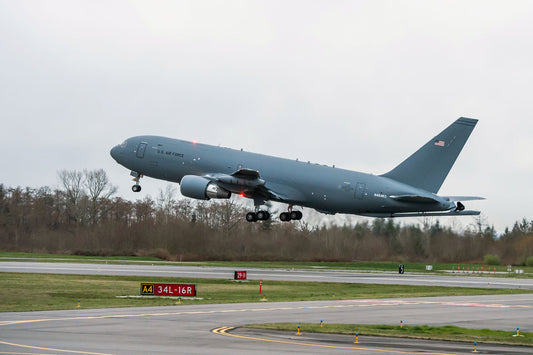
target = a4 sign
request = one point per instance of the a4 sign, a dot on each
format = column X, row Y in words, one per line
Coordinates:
column 153, row 289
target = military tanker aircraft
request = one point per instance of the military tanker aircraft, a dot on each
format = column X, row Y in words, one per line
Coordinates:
column 211, row 172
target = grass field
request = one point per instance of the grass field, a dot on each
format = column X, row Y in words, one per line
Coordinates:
column 359, row 265
column 31, row 292
column 18, row 256
column 451, row 333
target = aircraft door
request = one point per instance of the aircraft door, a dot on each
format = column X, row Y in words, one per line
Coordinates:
column 141, row 149
column 360, row 189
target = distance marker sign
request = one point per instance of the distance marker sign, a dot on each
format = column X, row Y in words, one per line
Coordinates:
column 153, row 289
column 240, row 275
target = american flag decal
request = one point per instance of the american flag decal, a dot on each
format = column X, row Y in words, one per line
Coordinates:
column 439, row 143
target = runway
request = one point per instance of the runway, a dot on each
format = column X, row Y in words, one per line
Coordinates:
column 457, row 280
column 200, row 329
column 212, row 328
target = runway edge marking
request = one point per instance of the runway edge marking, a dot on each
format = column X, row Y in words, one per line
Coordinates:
column 225, row 330
column 50, row 349
column 340, row 304
column 14, row 322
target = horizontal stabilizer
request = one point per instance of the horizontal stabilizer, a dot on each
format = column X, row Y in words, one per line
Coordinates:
column 462, row 198
column 423, row 214
column 414, row 199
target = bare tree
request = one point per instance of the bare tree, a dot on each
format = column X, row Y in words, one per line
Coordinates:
column 479, row 223
column 98, row 187
column 166, row 204
column 43, row 219
column 72, row 182
column 98, row 184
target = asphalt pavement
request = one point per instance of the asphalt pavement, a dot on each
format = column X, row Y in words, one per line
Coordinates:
column 318, row 275
column 214, row 329
column 209, row 328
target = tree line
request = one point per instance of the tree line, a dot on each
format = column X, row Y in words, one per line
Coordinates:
column 85, row 217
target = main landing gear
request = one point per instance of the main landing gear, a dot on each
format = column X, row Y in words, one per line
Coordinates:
column 261, row 215
column 290, row 215
column 257, row 216
column 136, row 178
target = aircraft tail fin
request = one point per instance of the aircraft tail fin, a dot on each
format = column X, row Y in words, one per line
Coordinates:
column 428, row 166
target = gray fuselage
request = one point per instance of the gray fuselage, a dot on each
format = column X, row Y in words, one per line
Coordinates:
column 324, row 188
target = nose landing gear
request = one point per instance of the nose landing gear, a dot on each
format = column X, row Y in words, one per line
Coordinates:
column 136, row 178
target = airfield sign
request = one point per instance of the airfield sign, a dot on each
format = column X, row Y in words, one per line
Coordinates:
column 240, row 275
column 153, row 289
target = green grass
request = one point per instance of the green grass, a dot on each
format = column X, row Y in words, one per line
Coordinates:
column 24, row 256
column 451, row 333
column 31, row 292
column 356, row 265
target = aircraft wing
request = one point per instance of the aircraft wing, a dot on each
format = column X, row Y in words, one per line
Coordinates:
column 250, row 183
column 243, row 178
column 246, row 174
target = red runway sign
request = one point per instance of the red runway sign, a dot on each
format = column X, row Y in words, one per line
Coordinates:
column 168, row 290
column 240, row 275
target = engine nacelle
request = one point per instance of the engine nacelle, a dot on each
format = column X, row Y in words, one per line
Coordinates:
column 202, row 189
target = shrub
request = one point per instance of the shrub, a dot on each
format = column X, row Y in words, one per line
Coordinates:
column 529, row 261
column 491, row 259
column 160, row 253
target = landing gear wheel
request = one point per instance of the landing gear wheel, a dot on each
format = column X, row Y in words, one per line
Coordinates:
column 285, row 216
column 251, row 217
column 136, row 178
column 296, row 215
column 263, row 215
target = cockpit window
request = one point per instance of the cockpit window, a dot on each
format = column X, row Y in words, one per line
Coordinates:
column 140, row 149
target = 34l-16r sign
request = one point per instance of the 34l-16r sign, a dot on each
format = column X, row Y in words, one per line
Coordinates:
column 168, row 289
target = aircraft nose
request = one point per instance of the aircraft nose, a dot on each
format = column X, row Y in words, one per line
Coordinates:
column 115, row 152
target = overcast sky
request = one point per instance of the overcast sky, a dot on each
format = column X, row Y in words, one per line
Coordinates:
column 358, row 84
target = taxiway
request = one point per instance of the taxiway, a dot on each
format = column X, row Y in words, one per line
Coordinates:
column 197, row 329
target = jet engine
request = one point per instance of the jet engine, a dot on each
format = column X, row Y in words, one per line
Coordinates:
column 202, row 189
